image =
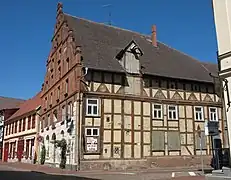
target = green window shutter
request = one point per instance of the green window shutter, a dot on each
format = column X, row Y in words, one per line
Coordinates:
column 174, row 140
column 158, row 140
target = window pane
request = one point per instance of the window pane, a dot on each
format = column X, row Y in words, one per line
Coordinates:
column 212, row 110
column 159, row 114
column 88, row 109
column 92, row 101
column 157, row 106
column 197, row 116
column 171, row 107
column 95, row 132
column 155, row 114
column 215, row 117
column 198, row 109
column 174, row 115
column 88, row 132
column 95, row 109
column 200, row 116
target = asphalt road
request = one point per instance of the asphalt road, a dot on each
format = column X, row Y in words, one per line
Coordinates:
column 10, row 173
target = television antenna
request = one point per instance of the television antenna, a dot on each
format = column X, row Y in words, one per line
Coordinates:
column 109, row 13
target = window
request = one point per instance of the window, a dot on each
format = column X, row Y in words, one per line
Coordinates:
column 48, row 119
column 6, row 130
column 63, row 113
column 157, row 111
column 31, row 148
column 12, row 128
column 45, row 102
column 213, row 114
column 58, row 92
column 15, row 127
column 172, row 112
column 173, row 140
column 27, row 148
column 20, row 125
column 66, row 86
column 68, row 64
column 198, row 113
column 55, row 116
column 92, row 107
column 92, row 140
column 51, row 98
column 33, row 121
column 158, row 139
column 29, row 122
column 69, row 110
column 24, row 124
column 92, row 131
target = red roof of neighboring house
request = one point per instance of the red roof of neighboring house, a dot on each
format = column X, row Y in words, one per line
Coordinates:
column 10, row 103
column 27, row 106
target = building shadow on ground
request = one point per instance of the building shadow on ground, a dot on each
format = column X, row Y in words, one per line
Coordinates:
column 30, row 175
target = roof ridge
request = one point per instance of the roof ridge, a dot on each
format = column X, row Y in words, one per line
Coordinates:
column 98, row 23
column 12, row 98
column 144, row 35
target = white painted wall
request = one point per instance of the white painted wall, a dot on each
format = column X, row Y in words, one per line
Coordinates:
column 54, row 153
column 222, row 18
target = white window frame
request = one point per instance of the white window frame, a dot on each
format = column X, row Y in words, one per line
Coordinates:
column 202, row 113
column 176, row 110
column 91, row 132
column 92, row 112
column 213, row 115
column 153, row 110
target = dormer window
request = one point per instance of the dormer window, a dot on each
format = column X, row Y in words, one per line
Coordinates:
column 129, row 58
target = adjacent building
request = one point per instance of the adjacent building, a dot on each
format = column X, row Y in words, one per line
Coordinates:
column 8, row 106
column 222, row 18
column 122, row 99
column 21, row 132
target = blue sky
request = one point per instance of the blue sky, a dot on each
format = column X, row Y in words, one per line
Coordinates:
column 27, row 26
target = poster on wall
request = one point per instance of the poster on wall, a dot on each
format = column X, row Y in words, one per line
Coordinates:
column 92, row 145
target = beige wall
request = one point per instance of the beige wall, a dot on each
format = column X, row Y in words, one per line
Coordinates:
column 126, row 120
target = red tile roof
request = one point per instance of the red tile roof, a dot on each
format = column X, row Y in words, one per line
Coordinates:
column 27, row 106
column 10, row 103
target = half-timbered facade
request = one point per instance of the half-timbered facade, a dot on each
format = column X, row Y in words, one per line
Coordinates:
column 140, row 101
column 21, row 132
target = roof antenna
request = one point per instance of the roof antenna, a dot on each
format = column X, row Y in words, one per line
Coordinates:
column 109, row 13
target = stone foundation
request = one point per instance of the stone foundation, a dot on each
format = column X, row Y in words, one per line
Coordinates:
column 150, row 162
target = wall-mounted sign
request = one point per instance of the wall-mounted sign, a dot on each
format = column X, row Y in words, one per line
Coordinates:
column 92, row 144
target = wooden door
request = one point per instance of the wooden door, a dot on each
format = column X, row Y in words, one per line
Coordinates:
column 20, row 149
column 6, row 152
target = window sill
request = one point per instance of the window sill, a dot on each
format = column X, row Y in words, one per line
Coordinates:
column 173, row 119
column 95, row 116
column 93, row 153
column 157, row 119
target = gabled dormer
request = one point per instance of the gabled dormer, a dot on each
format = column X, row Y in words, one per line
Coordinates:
column 129, row 58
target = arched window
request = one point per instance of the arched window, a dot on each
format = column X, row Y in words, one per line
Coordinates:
column 55, row 115
column 53, row 137
column 47, row 146
column 62, row 134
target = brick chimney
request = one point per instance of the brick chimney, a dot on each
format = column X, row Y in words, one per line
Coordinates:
column 154, row 40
